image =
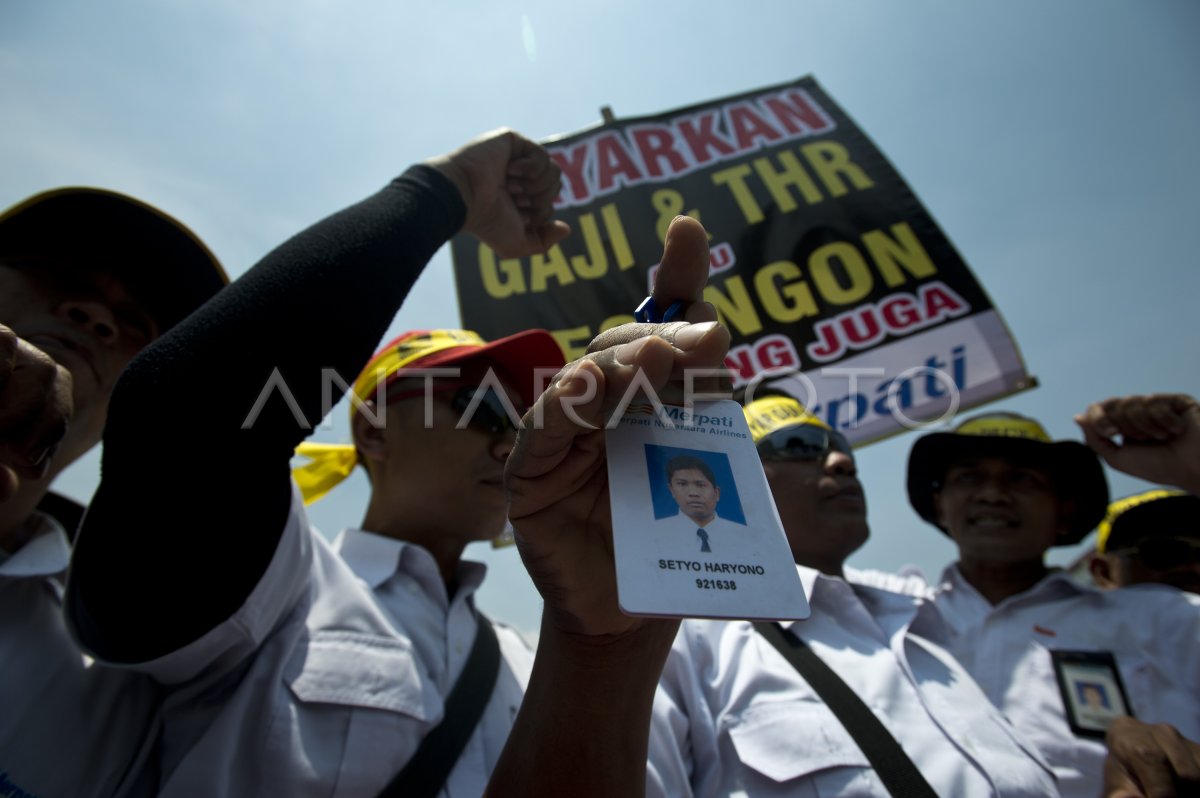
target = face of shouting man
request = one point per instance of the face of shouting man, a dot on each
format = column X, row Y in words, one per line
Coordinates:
column 88, row 278
column 86, row 321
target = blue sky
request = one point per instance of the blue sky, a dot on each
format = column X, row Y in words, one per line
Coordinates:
column 1055, row 143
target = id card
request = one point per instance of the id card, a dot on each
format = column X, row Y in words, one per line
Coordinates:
column 1091, row 688
column 695, row 530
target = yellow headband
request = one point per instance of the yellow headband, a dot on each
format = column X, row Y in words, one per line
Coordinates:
column 405, row 351
column 772, row 413
column 1004, row 426
column 328, row 465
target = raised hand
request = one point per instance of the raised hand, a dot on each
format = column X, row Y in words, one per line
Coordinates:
column 1159, row 437
column 508, row 184
column 556, row 475
column 584, row 723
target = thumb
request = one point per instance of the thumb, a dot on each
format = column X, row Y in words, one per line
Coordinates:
column 1118, row 783
column 9, row 482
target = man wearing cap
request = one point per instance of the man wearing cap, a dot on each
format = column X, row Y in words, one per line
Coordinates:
column 283, row 673
column 435, row 488
column 734, row 716
column 1030, row 635
column 1152, row 537
column 88, row 277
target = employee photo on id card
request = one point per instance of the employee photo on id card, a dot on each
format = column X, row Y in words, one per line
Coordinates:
column 695, row 530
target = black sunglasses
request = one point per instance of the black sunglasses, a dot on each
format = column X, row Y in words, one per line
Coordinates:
column 1164, row 553
column 490, row 415
column 803, row 442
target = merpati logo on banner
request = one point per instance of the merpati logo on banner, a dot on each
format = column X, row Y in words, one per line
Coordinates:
column 821, row 258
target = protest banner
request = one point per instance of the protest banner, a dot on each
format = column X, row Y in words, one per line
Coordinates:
column 834, row 280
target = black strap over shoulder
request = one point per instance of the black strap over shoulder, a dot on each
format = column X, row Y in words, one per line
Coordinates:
column 897, row 772
column 429, row 767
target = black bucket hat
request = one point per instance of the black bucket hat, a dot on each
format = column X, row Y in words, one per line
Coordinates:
column 162, row 263
column 1076, row 470
column 1147, row 514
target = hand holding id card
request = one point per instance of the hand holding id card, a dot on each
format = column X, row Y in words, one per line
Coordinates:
column 695, row 530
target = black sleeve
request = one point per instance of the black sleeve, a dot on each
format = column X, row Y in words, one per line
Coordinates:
column 192, row 500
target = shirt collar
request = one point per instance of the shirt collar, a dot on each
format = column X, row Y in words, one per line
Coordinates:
column 816, row 585
column 1058, row 582
column 47, row 553
column 374, row 558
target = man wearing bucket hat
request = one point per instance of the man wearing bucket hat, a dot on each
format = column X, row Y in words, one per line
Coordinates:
column 1152, row 537
column 88, row 277
column 1031, row 635
column 435, row 488
column 734, row 715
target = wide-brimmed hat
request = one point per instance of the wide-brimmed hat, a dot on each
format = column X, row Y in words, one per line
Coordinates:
column 1151, row 513
column 162, row 263
column 1075, row 469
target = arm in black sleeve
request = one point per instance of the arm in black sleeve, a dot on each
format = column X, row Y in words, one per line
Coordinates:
column 191, row 504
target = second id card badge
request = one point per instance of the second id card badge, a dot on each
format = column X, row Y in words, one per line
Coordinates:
column 695, row 530
column 1091, row 688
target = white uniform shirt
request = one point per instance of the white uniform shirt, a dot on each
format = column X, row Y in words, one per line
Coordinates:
column 723, row 536
column 307, row 690
column 70, row 727
column 407, row 582
column 733, row 717
column 1153, row 631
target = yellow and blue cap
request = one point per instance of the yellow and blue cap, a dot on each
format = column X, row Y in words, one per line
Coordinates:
column 773, row 413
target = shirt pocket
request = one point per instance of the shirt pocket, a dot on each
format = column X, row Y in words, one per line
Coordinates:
column 789, row 740
column 353, row 669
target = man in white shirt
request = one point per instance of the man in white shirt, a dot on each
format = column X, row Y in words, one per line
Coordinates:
column 283, row 673
column 1031, row 636
column 733, row 716
column 433, row 428
column 694, row 487
column 87, row 278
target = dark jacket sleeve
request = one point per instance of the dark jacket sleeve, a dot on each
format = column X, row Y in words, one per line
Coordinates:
column 192, row 499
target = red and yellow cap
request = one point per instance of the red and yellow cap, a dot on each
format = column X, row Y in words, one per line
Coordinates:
column 517, row 355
